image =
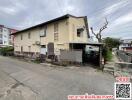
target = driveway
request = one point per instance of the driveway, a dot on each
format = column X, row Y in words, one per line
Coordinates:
column 21, row 80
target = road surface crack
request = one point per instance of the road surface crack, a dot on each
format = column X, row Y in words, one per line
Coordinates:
column 16, row 85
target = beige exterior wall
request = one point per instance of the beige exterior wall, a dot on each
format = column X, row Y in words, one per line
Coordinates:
column 74, row 24
column 67, row 31
column 63, row 37
column 25, row 42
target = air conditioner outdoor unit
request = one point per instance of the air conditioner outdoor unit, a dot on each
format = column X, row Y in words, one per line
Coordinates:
column 37, row 42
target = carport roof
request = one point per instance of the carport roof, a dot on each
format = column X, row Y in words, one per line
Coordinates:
column 88, row 43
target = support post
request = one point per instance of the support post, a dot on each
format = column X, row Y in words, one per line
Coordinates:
column 100, row 58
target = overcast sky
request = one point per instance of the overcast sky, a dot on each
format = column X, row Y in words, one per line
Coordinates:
column 21, row 14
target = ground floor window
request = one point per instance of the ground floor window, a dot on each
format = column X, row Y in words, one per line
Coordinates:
column 43, row 49
column 1, row 42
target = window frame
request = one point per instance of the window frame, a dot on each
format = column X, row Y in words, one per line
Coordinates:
column 1, row 30
column 80, row 31
column 1, row 36
column 78, row 34
column 44, row 30
column 56, row 29
column 1, row 41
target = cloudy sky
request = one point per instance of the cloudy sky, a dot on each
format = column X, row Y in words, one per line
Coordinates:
column 21, row 14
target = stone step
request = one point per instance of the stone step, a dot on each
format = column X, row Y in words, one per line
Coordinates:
column 109, row 71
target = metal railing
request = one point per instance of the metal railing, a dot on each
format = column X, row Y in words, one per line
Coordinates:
column 124, row 56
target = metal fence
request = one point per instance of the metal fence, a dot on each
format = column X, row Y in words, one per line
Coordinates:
column 124, row 56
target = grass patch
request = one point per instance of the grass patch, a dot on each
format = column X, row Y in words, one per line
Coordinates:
column 36, row 61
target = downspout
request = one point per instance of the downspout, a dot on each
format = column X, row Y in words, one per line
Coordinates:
column 86, row 24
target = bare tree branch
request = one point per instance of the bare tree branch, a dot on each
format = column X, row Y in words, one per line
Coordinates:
column 93, row 31
column 104, row 27
column 98, row 35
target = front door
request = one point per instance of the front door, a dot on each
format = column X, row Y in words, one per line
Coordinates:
column 50, row 48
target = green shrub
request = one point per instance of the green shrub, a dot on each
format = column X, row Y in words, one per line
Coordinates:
column 6, row 51
column 107, row 54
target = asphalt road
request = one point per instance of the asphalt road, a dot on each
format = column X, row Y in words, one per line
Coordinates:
column 21, row 80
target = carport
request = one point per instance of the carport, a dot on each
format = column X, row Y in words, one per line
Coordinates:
column 93, row 58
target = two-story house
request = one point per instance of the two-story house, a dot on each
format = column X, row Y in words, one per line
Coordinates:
column 51, row 36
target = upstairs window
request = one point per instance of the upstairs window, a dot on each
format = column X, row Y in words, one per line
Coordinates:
column 56, row 34
column 1, row 42
column 80, row 32
column 56, row 27
column 0, row 35
column 5, row 30
column 0, row 29
column 43, row 31
column 29, row 35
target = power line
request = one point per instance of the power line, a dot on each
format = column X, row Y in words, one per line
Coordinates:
column 100, row 10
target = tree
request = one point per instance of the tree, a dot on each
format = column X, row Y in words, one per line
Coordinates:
column 99, row 35
column 112, row 42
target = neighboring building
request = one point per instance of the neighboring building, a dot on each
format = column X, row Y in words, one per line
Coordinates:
column 126, row 45
column 51, row 36
column 5, row 36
